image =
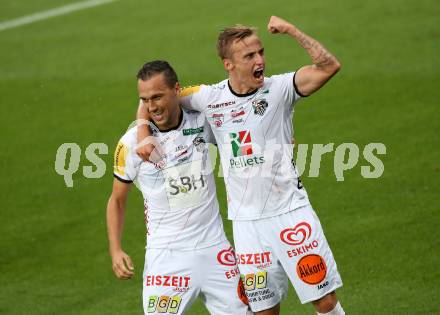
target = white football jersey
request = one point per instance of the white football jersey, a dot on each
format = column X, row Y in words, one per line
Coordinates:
column 180, row 201
column 254, row 136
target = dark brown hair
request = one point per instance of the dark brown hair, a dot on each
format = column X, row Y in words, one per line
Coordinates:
column 152, row 68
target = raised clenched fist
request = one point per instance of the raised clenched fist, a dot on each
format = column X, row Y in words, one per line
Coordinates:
column 278, row 25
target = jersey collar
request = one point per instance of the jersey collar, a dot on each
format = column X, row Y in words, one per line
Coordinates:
column 241, row 95
column 178, row 126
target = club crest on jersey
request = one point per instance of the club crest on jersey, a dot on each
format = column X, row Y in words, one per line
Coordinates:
column 259, row 106
column 199, row 143
column 218, row 119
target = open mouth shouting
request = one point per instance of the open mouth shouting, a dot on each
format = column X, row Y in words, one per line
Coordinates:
column 259, row 74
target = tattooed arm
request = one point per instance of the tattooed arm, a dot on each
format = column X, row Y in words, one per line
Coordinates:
column 311, row 78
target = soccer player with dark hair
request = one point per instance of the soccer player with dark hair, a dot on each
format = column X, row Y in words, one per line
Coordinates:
column 187, row 253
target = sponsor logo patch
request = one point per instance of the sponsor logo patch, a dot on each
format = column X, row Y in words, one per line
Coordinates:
column 253, row 281
column 311, row 269
column 226, row 257
column 255, row 286
column 301, row 250
column 241, row 143
column 237, row 112
column 167, row 281
column 217, row 119
column 299, row 236
column 323, row 285
column 237, row 115
column 192, row 131
column 164, row 304
column 180, row 151
column 221, row 105
column 296, row 235
column 120, row 155
column 185, row 184
column 262, row 260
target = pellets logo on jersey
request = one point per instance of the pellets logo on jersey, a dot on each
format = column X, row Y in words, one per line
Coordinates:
column 164, row 304
column 311, row 269
column 226, row 257
column 120, row 155
column 217, row 119
column 297, row 235
column 259, row 106
column 241, row 143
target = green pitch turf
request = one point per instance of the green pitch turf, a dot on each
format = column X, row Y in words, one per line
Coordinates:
column 72, row 79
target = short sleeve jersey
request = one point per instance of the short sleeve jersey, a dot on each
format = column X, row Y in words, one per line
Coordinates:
column 180, row 201
column 254, row 136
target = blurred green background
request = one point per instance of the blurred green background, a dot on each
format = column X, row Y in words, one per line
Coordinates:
column 71, row 78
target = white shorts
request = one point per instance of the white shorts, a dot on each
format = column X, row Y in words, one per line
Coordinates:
column 174, row 279
column 291, row 245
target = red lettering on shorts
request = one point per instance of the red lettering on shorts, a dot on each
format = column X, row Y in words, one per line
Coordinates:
column 253, row 258
column 301, row 250
column 167, row 281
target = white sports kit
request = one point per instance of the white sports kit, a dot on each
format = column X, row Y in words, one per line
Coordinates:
column 277, row 234
column 187, row 253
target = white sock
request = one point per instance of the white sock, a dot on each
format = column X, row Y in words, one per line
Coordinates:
column 336, row 311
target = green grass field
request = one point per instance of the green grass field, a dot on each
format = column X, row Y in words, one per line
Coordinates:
column 72, row 79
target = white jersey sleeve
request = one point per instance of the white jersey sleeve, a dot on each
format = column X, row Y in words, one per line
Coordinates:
column 126, row 161
column 195, row 97
column 287, row 87
column 210, row 138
